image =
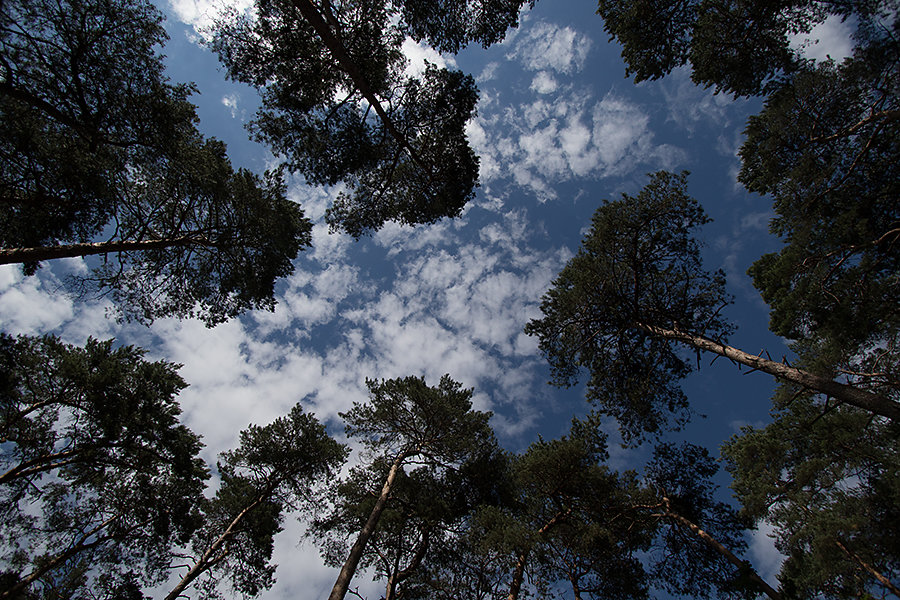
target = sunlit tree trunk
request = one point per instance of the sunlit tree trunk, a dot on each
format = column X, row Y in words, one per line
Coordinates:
column 42, row 253
column 848, row 394
column 349, row 569
column 717, row 546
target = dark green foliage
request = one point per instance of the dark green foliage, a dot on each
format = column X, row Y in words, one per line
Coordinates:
column 277, row 467
column 826, row 148
column 339, row 109
column 568, row 522
column 443, row 169
column 417, row 525
column 79, row 82
column 97, row 147
column 679, row 479
column 737, row 46
column 406, row 416
column 400, row 513
column 448, row 25
column 582, row 529
column 463, row 570
column 100, row 480
column 638, row 268
column 235, row 236
column 827, row 479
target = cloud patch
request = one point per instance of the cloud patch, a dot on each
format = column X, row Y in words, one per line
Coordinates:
column 546, row 46
column 567, row 137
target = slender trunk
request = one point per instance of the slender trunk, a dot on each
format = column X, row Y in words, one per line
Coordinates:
column 576, row 590
column 347, row 571
column 391, row 586
column 208, row 559
column 515, row 586
column 518, row 577
column 79, row 546
column 404, row 574
column 875, row 403
column 881, row 578
column 39, row 465
column 722, row 550
column 337, row 49
column 41, row 253
column 886, row 116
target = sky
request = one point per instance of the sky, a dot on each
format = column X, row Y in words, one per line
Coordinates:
column 559, row 129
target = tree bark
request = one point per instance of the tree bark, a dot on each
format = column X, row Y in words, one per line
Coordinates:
column 722, row 550
column 405, row 573
column 79, row 546
column 337, row 49
column 349, row 569
column 206, row 561
column 875, row 403
column 41, row 253
column 880, row 577
column 39, row 465
column 515, row 586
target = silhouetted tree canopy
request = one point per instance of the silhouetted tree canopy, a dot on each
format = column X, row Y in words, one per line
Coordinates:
column 337, row 105
column 100, row 480
column 100, row 155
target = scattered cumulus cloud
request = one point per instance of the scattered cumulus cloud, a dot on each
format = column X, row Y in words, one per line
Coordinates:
column 488, row 72
column 201, row 14
column 230, row 101
column 564, row 137
column 831, row 38
column 546, row 46
column 544, row 83
column 418, row 55
column 691, row 106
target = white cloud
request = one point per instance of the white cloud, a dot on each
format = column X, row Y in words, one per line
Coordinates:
column 230, row 101
column 567, row 137
column 691, row 106
column 765, row 557
column 418, row 54
column 548, row 46
column 488, row 72
column 831, row 38
column 201, row 14
column 544, row 83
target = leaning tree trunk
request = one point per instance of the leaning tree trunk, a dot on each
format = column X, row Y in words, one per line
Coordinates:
column 515, row 586
column 872, row 570
column 403, row 574
column 16, row 590
column 339, row 52
column 42, row 253
column 717, row 546
column 875, row 403
column 347, row 571
column 215, row 553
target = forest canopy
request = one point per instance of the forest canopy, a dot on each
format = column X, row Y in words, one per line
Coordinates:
column 384, row 431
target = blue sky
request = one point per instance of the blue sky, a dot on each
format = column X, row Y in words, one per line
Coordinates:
column 559, row 129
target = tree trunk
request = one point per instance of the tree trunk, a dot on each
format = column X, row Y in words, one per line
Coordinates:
column 40, row 464
column 349, row 569
column 405, row 573
column 880, row 577
column 207, row 560
column 875, row 403
column 41, row 253
column 337, row 49
column 722, row 550
column 515, row 586
column 79, row 546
